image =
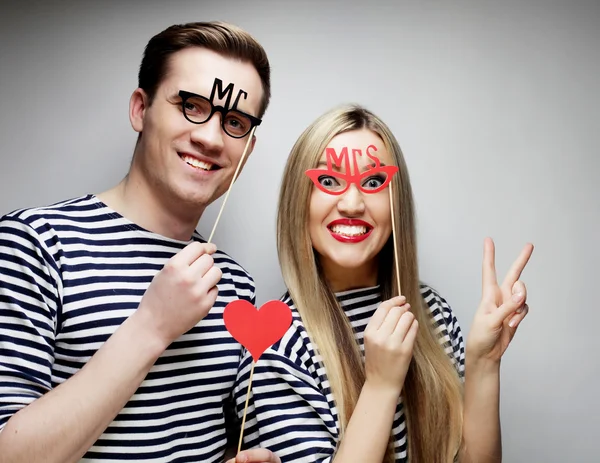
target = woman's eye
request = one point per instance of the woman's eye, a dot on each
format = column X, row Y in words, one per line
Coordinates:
column 374, row 182
column 328, row 181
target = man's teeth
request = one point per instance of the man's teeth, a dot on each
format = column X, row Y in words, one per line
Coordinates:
column 192, row 161
column 349, row 230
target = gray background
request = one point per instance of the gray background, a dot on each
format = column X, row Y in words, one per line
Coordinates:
column 495, row 104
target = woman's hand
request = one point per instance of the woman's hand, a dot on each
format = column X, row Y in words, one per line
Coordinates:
column 255, row 456
column 389, row 339
column 501, row 310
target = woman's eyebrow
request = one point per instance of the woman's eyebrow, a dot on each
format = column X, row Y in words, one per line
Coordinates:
column 364, row 168
column 324, row 164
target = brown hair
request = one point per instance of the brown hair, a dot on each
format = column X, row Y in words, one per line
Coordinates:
column 432, row 392
column 223, row 38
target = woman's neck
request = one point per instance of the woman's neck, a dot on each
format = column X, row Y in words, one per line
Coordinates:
column 344, row 279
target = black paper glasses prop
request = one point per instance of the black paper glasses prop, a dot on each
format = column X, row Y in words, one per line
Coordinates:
column 198, row 109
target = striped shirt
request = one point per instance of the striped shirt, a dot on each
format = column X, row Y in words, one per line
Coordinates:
column 70, row 274
column 291, row 410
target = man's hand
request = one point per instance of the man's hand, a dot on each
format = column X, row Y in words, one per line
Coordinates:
column 181, row 294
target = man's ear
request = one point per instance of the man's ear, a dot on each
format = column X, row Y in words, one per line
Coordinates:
column 249, row 152
column 251, row 147
column 138, row 103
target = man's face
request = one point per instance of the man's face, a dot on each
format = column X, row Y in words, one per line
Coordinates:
column 186, row 163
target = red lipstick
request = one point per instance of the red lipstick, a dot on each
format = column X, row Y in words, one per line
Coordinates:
column 350, row 222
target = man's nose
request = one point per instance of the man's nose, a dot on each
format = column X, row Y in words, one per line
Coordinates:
column 210, row 134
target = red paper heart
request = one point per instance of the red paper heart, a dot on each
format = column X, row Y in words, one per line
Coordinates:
column 257, row 329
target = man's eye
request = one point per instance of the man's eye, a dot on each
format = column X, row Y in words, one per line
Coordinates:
column 192, row 108
column 196, row 107
column 237, row 123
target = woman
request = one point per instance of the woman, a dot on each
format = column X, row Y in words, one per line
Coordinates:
column 364, row 374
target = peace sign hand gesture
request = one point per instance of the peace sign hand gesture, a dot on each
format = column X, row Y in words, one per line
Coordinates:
column 502, row 308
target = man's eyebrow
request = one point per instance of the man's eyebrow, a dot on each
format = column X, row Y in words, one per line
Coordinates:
column 194, row 94
column 176, row 97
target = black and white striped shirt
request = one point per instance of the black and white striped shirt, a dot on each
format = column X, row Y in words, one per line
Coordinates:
column 70, row 274
column 291, row 410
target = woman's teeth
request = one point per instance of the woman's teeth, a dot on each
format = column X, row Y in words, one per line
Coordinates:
column 349, row 230
column 192, row 161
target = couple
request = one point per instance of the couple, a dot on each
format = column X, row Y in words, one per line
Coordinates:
column 112, row 342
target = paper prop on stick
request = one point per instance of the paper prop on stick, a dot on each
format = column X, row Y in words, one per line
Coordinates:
column 235, row 175
column 256, row 330
column 340, row 174
column 235, row 123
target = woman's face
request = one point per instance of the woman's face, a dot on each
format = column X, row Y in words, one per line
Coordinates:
column 349, row 212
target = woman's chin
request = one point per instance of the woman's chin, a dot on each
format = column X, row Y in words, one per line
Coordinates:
column 351, row 267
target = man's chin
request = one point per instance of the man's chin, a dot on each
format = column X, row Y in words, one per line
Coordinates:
column 200, row 196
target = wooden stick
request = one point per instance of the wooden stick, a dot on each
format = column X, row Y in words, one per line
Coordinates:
column 394, row 235
column 235, row 175
column 246, row 407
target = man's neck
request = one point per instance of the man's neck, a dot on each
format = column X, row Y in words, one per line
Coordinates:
column 135, row 200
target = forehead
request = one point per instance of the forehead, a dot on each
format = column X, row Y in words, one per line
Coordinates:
column 359, row 140
column 195, row 70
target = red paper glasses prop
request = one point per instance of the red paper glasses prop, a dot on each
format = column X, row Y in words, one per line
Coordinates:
column 256, row 330
column 337, row 181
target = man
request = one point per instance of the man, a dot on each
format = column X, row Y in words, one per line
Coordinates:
column 112, row 344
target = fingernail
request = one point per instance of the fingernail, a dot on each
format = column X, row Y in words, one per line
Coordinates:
column 517, row 296
column 512, row 323
column 520, row 309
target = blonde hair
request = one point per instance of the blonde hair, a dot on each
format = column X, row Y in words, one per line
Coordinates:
column 432, row 391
